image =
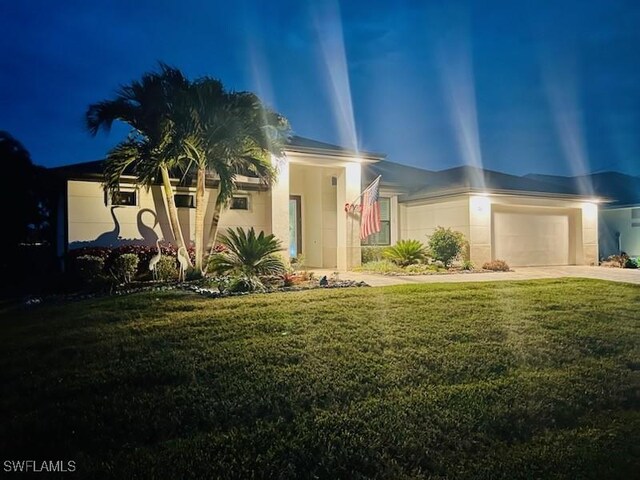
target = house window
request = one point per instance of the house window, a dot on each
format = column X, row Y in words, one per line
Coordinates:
column 635, row 217
column 383, row 237
column 127, row 199
column 184, row 200
column 240, row 203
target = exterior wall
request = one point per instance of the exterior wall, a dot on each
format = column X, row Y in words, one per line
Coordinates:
column 257, row 216
column 394, row 220
column 277, row 210
column 473, row 216
column 330, row 237
column 418, row 219
column 329, row 204
column 91, row 223
column 619, row 221
column 319, row 213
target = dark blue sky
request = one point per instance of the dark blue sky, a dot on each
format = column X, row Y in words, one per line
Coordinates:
column 545, row 87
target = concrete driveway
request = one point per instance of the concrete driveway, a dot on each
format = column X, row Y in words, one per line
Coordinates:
column 519, row 273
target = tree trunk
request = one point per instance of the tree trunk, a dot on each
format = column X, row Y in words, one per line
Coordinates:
column 173, row 211
column 200, row 211
column 213, row 231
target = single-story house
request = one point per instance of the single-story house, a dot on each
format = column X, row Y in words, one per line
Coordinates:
column 304, row 208
column 525, row 221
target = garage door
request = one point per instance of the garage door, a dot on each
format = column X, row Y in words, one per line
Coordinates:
column 528, row 239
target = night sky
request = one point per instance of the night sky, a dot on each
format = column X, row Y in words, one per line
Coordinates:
column 544, row 87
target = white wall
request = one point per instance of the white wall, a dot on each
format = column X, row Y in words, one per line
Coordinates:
column 319, row 213
column 91, row 223
column 257, row 216
column 418, row 219
column 472, row 215
column 619, row 220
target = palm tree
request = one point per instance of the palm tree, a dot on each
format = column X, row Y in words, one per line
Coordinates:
column 152, row 147
column 248, row 254
column 227, row 134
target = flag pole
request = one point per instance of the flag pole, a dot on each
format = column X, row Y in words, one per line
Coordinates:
column 365, row 190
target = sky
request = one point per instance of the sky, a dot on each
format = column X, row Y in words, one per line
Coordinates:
column 519, row 87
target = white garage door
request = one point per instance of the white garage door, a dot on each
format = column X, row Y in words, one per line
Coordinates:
column 528, row 239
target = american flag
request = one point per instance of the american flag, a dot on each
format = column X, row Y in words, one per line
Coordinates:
column 370, row 207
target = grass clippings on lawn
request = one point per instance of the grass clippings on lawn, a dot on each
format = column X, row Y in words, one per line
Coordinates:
column 497, row 380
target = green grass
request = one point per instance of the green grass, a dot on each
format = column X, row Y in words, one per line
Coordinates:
column 500, row 380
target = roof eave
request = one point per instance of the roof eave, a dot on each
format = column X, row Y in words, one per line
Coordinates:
column 502, row 192
column 365, row 157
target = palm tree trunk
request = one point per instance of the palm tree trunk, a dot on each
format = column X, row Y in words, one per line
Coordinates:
column 213, row 231
column 200, row 211
column 173, row 211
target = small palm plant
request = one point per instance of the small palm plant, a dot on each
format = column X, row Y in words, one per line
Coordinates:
column 405, row 252
column 249, row 257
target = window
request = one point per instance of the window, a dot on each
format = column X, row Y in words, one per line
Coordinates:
column 240, row 203
column 128, row 199
column 383, row 237
column 635, row 217
column 184, row 200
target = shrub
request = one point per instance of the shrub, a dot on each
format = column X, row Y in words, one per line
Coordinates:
column 89, row 268
column 371, row 254
column 248, row 256
column 405, row 252
column 144, row 253
column 297, row 263
column 380, row 266
column 467, row 265
column 289, row 279
column 632, row 263
column 422, row 269
column 446, row 245
column 245, row 283
column 125, row 267
column 496, row 266
column 166, row 269
column 616, row 261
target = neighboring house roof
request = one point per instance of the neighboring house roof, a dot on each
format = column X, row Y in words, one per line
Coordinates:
column 623, row 190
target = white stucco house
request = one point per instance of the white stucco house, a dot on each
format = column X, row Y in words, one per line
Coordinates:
column 521, row 220
column 304, row 208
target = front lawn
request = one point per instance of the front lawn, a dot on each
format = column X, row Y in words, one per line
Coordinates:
column 495, row 380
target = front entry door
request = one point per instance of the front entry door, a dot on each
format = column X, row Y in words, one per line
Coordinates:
column 295, row 226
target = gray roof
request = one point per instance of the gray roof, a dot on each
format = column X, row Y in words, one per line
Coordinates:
column 396, row 175
column 419, row 183
column 296, row 143
column 473, row 178
column 307, row 145
column 622, row 189
column 416, row 183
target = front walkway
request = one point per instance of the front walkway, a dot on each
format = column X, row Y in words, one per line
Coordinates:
column 519, row 273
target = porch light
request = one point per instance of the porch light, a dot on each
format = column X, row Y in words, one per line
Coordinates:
column 480, row 203
column 590, row 209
